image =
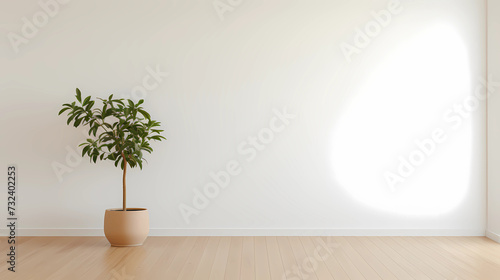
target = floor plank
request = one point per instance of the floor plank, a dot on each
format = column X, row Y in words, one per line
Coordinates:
column 189, row 268
column 219, row 267
column 276, row 268
column 386, row 260
column 248, row 259
column 363, row 266
column 307, row 264
column 288, row 258
column 233, row 268
column 416, row 259
column 379, row 267
column 204, row 268
column 261, row 259
column 320, row 256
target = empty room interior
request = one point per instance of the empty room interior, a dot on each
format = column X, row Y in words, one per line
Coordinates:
column 250, row 139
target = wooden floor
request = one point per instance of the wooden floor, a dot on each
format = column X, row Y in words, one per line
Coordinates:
column 256, row 258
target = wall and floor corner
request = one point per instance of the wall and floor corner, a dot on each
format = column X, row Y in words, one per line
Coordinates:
column 493, row 230
column 335, row 117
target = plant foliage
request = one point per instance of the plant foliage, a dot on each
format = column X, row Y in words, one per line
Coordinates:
column 122, row 129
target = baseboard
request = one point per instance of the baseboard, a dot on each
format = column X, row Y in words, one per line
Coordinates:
column 261, row 232
column 493, row 236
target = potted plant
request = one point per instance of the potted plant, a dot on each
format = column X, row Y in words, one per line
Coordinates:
column 121, row 132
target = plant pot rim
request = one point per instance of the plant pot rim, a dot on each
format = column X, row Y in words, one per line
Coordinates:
column 128, row 209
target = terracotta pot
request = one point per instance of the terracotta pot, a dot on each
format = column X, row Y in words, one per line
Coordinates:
column 126, row 228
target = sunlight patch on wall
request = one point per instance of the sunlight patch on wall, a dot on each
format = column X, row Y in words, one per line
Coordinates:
column 402, row 102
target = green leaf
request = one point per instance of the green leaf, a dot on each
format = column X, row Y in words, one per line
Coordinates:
column 63, row 110
column 77, row 122
column 70, row 119
column 86, row 100
column 130, row 103
column 89, row 105
column 78, row 95
column 145, row 114
column 84, row 151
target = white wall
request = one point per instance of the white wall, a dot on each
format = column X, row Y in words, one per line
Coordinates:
column 323, row 173
column 493, row 123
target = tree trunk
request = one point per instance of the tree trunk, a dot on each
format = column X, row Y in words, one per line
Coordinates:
column 124, row 183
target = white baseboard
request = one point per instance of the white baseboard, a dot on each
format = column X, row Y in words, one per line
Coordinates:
column 260, row 232
column 493, row 236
